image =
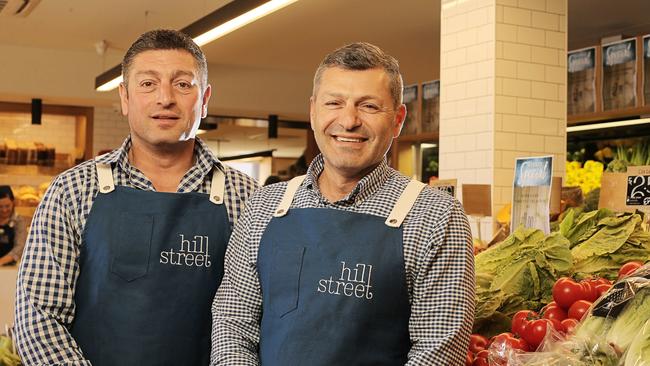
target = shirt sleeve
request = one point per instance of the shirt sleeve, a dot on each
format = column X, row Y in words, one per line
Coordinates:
column 45, row 285
column 19, row 240
column 236, row 310
column 442, row 309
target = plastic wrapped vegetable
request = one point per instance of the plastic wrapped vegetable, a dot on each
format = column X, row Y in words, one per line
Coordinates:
column 639, row 352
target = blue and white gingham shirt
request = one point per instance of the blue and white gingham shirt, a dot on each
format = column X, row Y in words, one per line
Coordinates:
column 438, row 255
column 49, row 269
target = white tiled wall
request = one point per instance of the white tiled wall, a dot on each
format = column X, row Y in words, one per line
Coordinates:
column 503, row 88
column 530, row 87
column 57, row 131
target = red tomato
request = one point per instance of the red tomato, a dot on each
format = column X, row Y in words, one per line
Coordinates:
column 628, row 268
column 535, row 331
column 602, row 288
column 579, row 309
column 477, row 343
column 603, row 281
column 553, row 312
column 481, row 362
column 591, row 294
column 569, row 324
column 511, row 341
column 469, row 360
column 482, row 354
column 566, row 291
column 520, row 319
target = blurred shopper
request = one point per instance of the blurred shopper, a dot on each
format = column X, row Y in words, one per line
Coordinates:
column 126, row 251
column 354, row 263
column 13, row 228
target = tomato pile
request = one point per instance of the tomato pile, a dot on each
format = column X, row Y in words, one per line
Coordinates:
column 571, row 302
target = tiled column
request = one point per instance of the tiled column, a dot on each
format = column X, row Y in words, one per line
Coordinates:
column 503, row 89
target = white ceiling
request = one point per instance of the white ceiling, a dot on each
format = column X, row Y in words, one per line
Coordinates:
column 293, row 39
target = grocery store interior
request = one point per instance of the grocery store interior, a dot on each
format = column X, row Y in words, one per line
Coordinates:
column 487, row 82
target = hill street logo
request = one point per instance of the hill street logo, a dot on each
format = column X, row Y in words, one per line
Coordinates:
column 353, row 282
column 192, row 253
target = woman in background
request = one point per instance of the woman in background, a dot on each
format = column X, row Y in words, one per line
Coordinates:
column 13, row 229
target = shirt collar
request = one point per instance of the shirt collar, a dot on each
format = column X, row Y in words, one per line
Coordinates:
column 203, row 163
column 366, row 187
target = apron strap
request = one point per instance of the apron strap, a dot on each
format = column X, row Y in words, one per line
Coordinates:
column 105, row 177
column 292, row 188
column 217, row 186
column 404, row 203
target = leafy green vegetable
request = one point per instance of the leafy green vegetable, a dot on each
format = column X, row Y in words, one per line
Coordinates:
column 639, row 352
column 7, row 356
column 602, row 241
column 522, row 270
column 630, row 321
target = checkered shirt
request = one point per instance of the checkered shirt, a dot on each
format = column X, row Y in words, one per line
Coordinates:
column 49, row 269
column 438, row 256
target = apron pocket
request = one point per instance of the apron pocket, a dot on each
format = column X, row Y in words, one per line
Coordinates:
column 133, row 244
column 285, row 280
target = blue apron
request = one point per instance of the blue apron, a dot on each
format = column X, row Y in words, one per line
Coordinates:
column 333, row 286
column 150, row 264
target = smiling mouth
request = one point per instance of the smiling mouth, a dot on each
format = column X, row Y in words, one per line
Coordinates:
column 165, row 117
column 350, row 139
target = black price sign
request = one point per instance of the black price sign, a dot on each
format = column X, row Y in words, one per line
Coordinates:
column 638, row 190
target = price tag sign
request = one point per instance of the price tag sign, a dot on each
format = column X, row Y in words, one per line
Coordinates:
column 638, row 190
column 532, row 193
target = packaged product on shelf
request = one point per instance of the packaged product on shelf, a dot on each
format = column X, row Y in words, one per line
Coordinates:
column 581, row 83
column 430, row 106
column 619, row 75
column 411, row 101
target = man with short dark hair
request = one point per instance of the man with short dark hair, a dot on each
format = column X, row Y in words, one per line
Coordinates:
column 353, row 263
column 126, row 251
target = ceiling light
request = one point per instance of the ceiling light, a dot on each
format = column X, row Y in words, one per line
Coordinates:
column 220, row 22
column 598, row 126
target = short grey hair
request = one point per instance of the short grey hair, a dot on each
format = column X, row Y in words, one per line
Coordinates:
column 363, row 56
column 166, row 39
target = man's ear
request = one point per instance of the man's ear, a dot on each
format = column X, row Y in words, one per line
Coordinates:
column 204, row 103
column 312, row 111
column 400, row 116
column 124, row 99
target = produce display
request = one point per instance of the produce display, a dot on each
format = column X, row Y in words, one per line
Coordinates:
column 586, row 177
column 538, row 295
column 7, row 355
column 639, row 154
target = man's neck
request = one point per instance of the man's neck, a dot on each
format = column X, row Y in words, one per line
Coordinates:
column 164, row 166
column 335, row 185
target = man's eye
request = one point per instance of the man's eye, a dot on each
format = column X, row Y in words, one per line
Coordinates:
column 184, row 85
column 369, row 108
column 146, row 84
column 332, row 104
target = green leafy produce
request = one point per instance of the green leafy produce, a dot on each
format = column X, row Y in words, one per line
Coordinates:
column 517, row 274
column 639, row 154
column 639, row 352
column 630, row 321
column 7, row 356
column 602, row 241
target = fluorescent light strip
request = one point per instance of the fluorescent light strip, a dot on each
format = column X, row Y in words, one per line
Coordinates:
column 221, row 30
column 110, row 85
column 242, row 20
column 599, row 126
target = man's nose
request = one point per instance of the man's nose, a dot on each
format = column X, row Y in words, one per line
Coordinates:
column 349, row 118
column 166, row 95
